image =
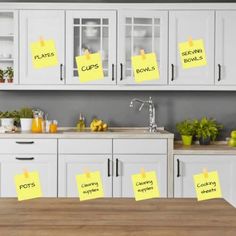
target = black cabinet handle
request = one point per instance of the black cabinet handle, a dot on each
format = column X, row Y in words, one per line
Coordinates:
column 113, row 72
column 25, row 158
column 121, row 71
column 178, row 168
column 172, row 72
column 117, row 167
column 61, row 71
column 30, row 142
column 108, row 168
column 219, row 71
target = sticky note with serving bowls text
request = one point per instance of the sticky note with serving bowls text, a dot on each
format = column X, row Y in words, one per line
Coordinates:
column 207, row 186
column 28, row 186
column 44, row 54
column 145, row 67
column 145, row 186
column 90, row 186
column 90, row 67
column 192, row 54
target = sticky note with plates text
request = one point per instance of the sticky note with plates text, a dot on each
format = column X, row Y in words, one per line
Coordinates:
column 145, row 186
column 90, row 67
column 192, row 54
column 207, row 186
column 28, row 186
column 145, row 67
column 44, row 54
column 90, row 186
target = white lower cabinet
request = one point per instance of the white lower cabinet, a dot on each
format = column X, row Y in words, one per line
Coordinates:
column 13, row 164
column 72, row 165
column 126, row 165
column 188, row 165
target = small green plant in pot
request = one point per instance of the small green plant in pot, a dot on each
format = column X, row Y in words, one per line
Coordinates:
column 186, row 129
column 2, row 80
column 207, row 130
column 8, row 118
column 10, row 74
column 26, row 118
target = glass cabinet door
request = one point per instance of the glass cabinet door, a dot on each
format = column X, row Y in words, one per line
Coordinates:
column 94, row 31
column 142, row 30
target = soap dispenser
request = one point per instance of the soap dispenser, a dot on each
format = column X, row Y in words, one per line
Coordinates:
column 81, row 123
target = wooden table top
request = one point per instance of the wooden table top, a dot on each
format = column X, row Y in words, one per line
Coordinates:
column 66, row 217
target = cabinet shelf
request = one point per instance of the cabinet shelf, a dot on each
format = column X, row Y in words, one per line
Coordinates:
column 6, row 60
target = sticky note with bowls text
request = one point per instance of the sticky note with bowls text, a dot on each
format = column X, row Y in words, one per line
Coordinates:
column 145, row 185
column 192, row 53
column 28, row 186
column 90, row 186
column 145, row 67
column 90, row 67
column 207, row 185
column 44, row 54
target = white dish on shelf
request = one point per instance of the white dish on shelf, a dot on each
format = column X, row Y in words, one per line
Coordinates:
column 139, row 33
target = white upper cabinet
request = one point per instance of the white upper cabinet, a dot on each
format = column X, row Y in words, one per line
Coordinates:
column 142, row 30
column 225, row 69
column 94, row 31
column 198, row 25
column 48, row 24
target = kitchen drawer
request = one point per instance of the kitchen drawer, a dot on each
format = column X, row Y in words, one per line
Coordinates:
column 140, row 146
column 85, row 146
column 38, row 146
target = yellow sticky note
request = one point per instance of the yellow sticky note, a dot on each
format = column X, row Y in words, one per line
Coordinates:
column 207, row 186
column 145, row 186
column 44, row 55
column 192, row 54
column 90, row 67
column 145, row 67
column 90, row 186
column 28, row 187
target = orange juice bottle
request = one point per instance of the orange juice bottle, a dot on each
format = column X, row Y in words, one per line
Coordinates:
column 53, row 127
column 37, row 123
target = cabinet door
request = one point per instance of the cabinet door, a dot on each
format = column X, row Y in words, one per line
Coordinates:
column 45, row 165
column 94, row 31
column 198, row 25
column 33, row 25
column 72, row 165
column 225, row 48
column 188, row 165
column 139, row 30
column 127, row 165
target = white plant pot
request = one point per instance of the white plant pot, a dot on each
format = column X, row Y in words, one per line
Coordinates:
column 7, row 122
column 26, row 124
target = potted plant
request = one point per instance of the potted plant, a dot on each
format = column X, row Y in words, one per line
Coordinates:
column 10, row 74
column 26, row 117
column 186, row 129
column 8, row 118
column 207, row 130
column 2, row 80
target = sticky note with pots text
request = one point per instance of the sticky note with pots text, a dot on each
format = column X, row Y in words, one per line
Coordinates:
column 90, row 67
column 44, row 54
column 28, row 186
column 207, row 186
column 192, row 54
column 90, row 186
column 145, row 67
column 145, row 186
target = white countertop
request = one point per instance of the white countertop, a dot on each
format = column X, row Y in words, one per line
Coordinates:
column 125, row 132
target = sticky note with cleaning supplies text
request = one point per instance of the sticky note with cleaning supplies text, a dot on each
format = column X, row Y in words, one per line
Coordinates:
column 90, row 186
column 145, row 186
column 90, row 67
column 207, row 186
column 192, row 54
column 145, row 67
column 28, row 186
column 44, row 54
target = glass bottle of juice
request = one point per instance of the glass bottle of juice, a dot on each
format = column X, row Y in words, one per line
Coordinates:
column 37, row 123
column 81, row 123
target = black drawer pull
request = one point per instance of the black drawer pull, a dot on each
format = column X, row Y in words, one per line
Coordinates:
column 178, row 168
column 113, row 72
column 30, row 142
column 24, row 158
column 121, row 71
column 219, row 71
column 117, row 167
column 61, row 72
column 108, row 168
column 172, row 72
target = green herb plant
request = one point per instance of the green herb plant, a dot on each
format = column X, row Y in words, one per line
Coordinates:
column 26, row 112
column 186, row 127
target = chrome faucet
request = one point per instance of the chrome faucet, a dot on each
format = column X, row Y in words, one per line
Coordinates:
column 152, row 112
